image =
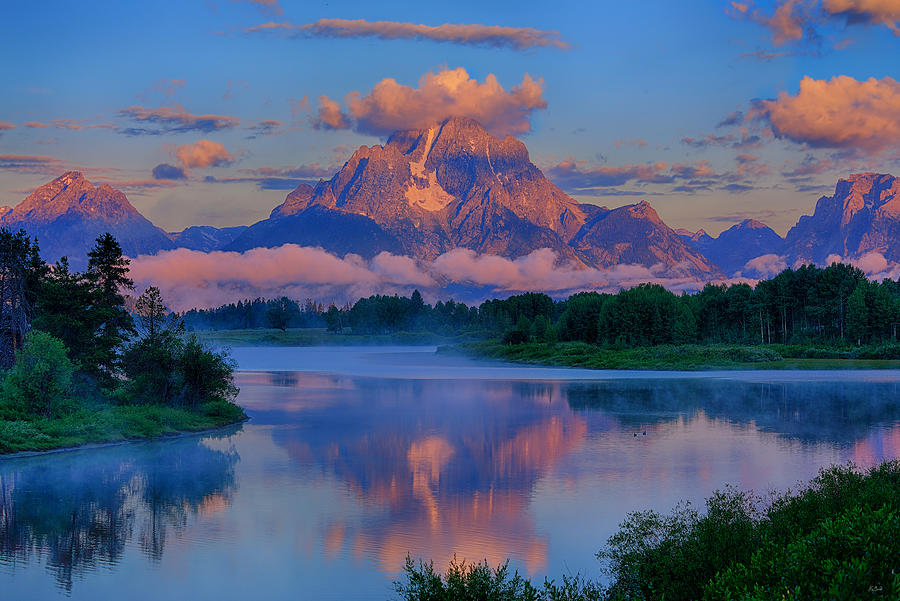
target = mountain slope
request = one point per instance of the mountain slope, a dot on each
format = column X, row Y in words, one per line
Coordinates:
column 69, row 213
column 635, row 234
column 206, row 238
column 862, row 216
column 740, row 243
column 453, row 185
column 335, row 231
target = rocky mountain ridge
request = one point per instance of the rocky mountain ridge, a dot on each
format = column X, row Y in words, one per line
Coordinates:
column 453, row 185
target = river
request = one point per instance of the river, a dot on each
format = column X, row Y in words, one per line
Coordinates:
column 355, row 457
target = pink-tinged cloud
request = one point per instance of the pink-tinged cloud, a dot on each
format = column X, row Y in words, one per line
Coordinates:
column 571, row 174
column 4, row 126
column 796, row 20
column 196, row 279
column 873, row 264
column 298, row 106
column 267, row 127
column 330, row 116
column 166, row 87
column 391, row 106
column 24, row 163
column 637, row 142
column 172, row 119
column 202, row 154
column 811, row 165
column 874, row 12
column 765, row 266
column 37, row 125
column 309, row 170
column 267, row 7
column 838, row 113
column 496, row 36
column 750, row 166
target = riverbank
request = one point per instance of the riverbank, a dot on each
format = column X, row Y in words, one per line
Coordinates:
column 671, row 358
column 112, row 424
column 317, row 337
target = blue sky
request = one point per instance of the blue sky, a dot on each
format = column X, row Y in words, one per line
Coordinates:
column 644, row 74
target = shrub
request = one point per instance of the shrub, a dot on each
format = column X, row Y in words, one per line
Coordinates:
column 40, row 381
column 836, row 538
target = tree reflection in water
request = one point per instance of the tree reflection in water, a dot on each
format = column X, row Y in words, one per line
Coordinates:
column 78, row 511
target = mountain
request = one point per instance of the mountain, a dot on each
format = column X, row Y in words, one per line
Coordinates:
column 453, row 185
column 205, row 237
column 335, row 231
column 69, row 213
column 862, row 216
column 636, row 234
column 740, row 243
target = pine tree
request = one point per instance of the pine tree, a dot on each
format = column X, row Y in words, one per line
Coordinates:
column 108, row 273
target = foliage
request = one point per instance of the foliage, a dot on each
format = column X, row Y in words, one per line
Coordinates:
column 40, row 381
column 479, row 581
column 108, row 273
column 104, row 424
column 83, row 358
column 837, row 538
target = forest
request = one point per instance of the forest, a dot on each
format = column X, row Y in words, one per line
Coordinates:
column 834, row 306
column 81, row 362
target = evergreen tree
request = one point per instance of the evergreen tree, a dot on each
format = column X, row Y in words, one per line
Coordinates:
column 65, row 309
column 108, row 273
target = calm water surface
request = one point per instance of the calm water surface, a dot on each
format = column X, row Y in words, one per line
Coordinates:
column 355, row 457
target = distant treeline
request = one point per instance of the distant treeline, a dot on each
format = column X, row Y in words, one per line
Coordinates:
column 807, row 305
column 280, row 313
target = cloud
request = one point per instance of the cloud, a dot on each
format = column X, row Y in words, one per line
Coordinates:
column 571, row 174
column 202, row 154
column 23, row 163
column 173, row 119
column 749, row 166
column 329, row 115
column 840, row 113
column 800, row 21
column 298, row 106
column 870, row 12
column 166, row 171
column 267, row 7
column 494, row 36
column 638, row 142
column 37, row 125
column 576, row 176
column 308, row 171
column 195, row 279
column 873, row 264
column 164, row 86
column 765, row 266
column 280, row 178
column 4, row 126
column 391, row 106
column 809, row 166
column 267, row 127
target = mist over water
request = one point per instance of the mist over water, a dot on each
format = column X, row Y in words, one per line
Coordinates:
column 355, row 457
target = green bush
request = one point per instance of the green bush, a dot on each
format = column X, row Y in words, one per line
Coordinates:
column 837, row 539
column 40, row 381
column 466, row 581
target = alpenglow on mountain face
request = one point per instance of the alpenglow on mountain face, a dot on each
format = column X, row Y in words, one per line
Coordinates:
column 453, row 185
column 863, row 216
column 69, row 213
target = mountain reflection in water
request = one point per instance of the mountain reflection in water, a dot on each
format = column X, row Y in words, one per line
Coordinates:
column 339, row 475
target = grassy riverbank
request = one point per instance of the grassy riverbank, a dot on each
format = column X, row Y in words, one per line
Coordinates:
column 680, row 358
column 315, row 337
column 104, row 424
